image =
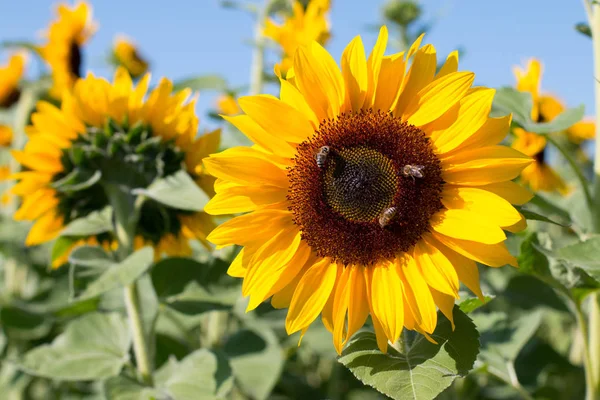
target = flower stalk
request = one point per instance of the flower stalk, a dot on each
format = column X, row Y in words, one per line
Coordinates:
column 593, row 13
column 126, row 215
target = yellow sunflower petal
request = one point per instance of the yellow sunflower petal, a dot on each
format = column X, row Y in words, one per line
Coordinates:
column 435, row 267
column 450, row 66
column 46, row 228
column 244, row 198
column 237, row 268
column 391, row 77
column 385, row 285
column 311, row 294
column 257, row 226
column 420, row 74
column 510, row 191
column 261, row 137
column 445, row 303
column 466, row 225
column 494, row 255
column 374, row 65
column 417, row 294
column 490, row 134
column 354, row 70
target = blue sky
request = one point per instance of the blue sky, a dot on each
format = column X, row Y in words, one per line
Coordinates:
column 194, row 37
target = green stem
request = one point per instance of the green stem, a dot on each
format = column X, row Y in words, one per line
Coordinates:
column 140, row 344
column 126, row 215
column 587, row 361
column 592, row 9
column 573, row 164
column 258, row 54
column 511, row 380
column 215, row 327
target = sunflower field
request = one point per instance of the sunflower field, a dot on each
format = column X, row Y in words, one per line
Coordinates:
column 369, row 223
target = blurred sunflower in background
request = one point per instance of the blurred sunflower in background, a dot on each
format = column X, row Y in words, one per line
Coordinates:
column 106, row 132
column 306, row 24
column 6, row 138
column 373, row 190
column 10, row 76
column 540, row 176
column 126, row 53
column 63, row 49
column 227, row 105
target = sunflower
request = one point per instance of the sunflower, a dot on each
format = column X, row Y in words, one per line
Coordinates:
column 126, row 54
column 63, row 50
column 10, row 75
column 540, row 176
column 6, row 135
column 369, row 191
column 301, row 28
column 112, row 128
column 227, row 105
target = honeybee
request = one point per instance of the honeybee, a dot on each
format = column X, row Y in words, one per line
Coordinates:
column 321, row 156
column 415, row 171
column 387, row 216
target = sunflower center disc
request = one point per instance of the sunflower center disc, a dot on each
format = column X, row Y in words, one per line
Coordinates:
column 338, row 196
column 359, row 183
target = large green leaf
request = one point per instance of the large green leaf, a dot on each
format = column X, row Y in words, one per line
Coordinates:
column 256, row 359
column 584, row 254
column 95, row 223
column 531, row 215
column 510, row 100
column 421, row 370
column 95, row 346
column 24, row 324
column 90, row 257
column 171, row 275
column 202, row 83
column 470, row 304
column 202, row 375
column 125, row 388
column 177, row 191
column 121, row 274
column 503, row 338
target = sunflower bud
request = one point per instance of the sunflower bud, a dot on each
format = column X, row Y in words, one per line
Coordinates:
column 402, row 12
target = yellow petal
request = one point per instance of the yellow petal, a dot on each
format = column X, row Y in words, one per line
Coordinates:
column 417, row 294
column 269, row 264
column 385, row 287
column 484, row 165
column 237, row 268
column 244, row 198
column 419, row 75
column 466, row 225
column 38, row 162
column 292, row 96
column 253, row 227
column 494, row 255
column 445, row 303
column 278, row 118
column 320, row 81
column 510, row 191
column 374, row 65
column 436, row 98
column 354, row 70
column 450, row 66
column 391, row 76
column 267, row 140
column 246, row 167
column 491, row 207
column 46, row 228
column 490, row 134
column 311, row 294
column 473, row 113
column 382, row 340
column 435, row 267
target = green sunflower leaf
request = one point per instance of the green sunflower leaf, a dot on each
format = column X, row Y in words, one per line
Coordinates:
column 202, row 82
column 95, row 346
column 77, row 180
column 256, row 359
column 584, row 254
column 531, row 215
column 125, row 388
column 203, row 374
column 423, row 369
column 90, row 257
column 177, row 191
column 510, row 100
column 121, row 274
column 19, row 321
column 470, row 304
column 95, row 223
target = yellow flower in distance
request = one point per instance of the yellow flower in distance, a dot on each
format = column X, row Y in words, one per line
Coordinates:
column 10, row 75
column 371, row 190
column 127, row 55
column 540, row 176
column 63, row 49
column 227, row 105
column 6, row 135
column 113, row 127
column 300, row 29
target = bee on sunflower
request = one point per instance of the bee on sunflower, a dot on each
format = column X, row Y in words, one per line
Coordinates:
column 305, row 25
column 110, row 134
column 63, row 49
column 540, row 176
column 371, row 190
column 126, row 53
column 10, row 76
